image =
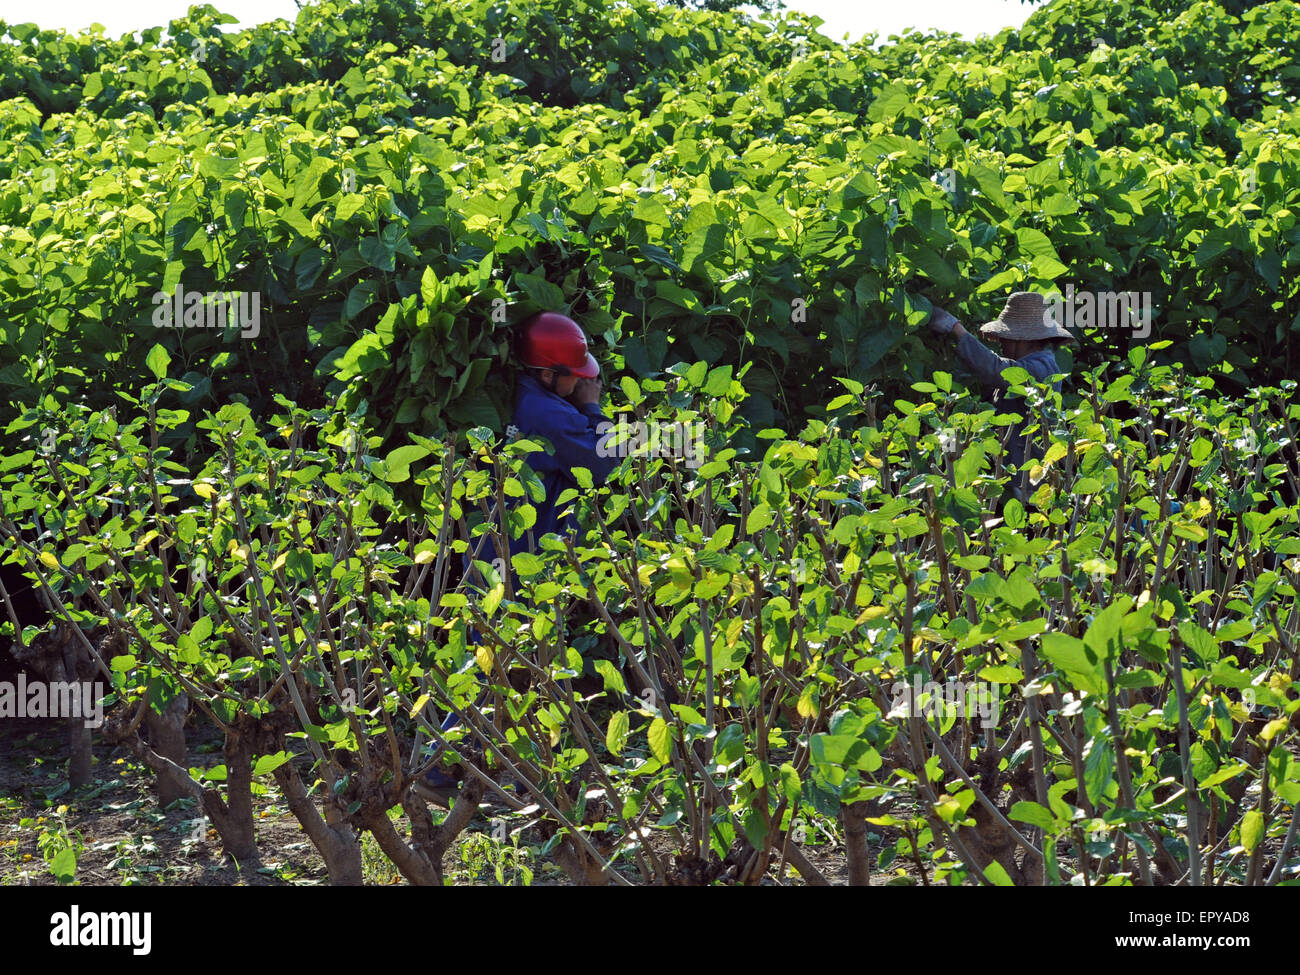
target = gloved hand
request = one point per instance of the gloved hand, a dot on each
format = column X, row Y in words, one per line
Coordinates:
column 586, row 391
column 941, row 322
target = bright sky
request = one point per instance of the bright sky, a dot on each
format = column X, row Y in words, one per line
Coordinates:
column 858, row 17
column 854, row 17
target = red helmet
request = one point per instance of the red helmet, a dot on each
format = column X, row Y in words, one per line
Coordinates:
column 554, row 341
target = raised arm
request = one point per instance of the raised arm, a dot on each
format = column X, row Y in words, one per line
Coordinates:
column 983, row 361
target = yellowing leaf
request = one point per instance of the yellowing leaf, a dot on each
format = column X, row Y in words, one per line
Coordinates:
column 149, row 537
column 871, row 613
column 948, row 809
column 660, row 738
column 419, row 704
column 49, row 560
column 617, row 733
column 1054, row 453
column 483, row 656
column 204, row 491
column 1273, row 728
column 808, row 702
column 1252, row 830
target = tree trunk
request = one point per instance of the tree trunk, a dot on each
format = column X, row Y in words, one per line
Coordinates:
column 988, row 840
column 335, row 841
column 233, row 819
column 811, row 875
column 578, row 864
column 853, row 819
column 413, row 863
column 79, row 756
column 167, row 738
column 79, row 752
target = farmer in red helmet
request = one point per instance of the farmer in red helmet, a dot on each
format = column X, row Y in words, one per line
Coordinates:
column 557, row 400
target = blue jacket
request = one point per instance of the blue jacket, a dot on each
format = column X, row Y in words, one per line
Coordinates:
column 571, row 430
column 539, row 413
column 988, row 365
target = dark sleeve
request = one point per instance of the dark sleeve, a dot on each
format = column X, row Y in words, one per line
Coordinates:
column 988, row 365
column 983, row 361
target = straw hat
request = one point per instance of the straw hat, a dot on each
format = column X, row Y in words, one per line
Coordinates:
column 1026, row 316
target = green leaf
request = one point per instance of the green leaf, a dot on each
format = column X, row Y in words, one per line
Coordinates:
column 64, row 865
column 1103, row 635
column 201, row 629
column 430, row 290
column 158, row 360
column 1098, row 768
column 141, row 213
column 1033, row 814
column 650, row 209
column 1252, row 830
column 997, row 873
column 791, row 787
column 1014, row 514
column 1066, row 652
column 378, row 254
column 755, row 828
column 964, row 506
column 526, row 564
column 349, row 204
column 1199, row 640
column 361, row 297
column 1049, row 859
column 718, row 382
column 397, row 465
column 299, row 565
column 188, row 649
column 611, row 676
column 1020, row 592
column 987, row 585
column 541, row 292
column 730, row 745
column 660, row 738
column 1216, row 243
column 760, row 516
column 266, row 764
column 616, row 735
column 630, row 389
column 1043, row 257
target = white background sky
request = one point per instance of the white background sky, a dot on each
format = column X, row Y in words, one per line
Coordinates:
column 854, row 17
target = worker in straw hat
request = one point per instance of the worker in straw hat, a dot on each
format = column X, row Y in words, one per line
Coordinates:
column 1028, row 333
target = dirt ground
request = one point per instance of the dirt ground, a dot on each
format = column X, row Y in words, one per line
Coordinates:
column 122, row 837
